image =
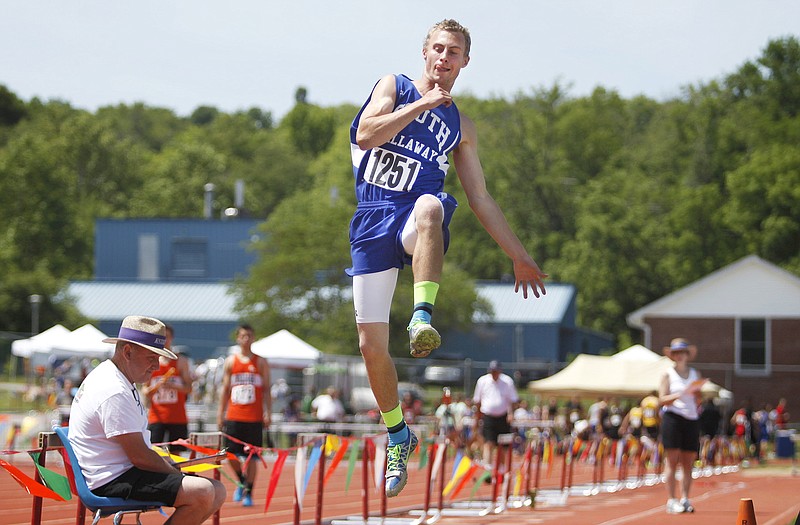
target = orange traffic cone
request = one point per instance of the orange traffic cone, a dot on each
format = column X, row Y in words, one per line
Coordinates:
column 747, row 514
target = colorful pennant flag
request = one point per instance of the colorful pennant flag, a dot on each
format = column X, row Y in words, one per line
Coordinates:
column 52, row 480
column 316, row 453
column 29, row 484
column 299, row 470
column 481, row 479
column 197, row 467
column 351, row 465
column 336, row 459
column 460, row 470
column 276, row 474
column 464, row 480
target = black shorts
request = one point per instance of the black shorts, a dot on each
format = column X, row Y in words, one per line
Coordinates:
column 251, row 433
column 143, row 485
column 494, row 426
column 679, row 432
column 651, row 432
column 165, row 432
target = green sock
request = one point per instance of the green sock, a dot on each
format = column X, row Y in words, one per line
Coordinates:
column 425, row 292
column 396, row 425
column 424, row 299
column 393, row 417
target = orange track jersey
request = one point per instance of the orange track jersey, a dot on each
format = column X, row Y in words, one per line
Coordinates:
column 167, row 404
column 247, row 391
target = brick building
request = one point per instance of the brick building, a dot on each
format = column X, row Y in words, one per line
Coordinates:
column 745, row 320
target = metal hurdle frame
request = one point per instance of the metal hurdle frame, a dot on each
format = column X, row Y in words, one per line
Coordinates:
column 215, row 440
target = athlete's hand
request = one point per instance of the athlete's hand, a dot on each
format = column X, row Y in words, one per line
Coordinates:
column 527, row 273
column 436, row 97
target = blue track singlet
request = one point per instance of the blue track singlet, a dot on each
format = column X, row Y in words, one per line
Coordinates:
column 391, row 177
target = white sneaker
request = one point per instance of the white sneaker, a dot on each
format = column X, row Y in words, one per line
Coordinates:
column 675, row 507
column 424, row 339
column 687, row 505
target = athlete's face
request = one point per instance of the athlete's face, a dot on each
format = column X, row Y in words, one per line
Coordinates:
column 244, row 338
column 444, row 57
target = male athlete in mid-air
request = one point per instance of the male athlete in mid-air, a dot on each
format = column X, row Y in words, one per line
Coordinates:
column 400, row 141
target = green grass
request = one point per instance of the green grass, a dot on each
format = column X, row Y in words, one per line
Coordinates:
column 15, row 402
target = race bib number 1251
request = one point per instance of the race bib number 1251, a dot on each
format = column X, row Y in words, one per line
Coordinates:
column 390, row 170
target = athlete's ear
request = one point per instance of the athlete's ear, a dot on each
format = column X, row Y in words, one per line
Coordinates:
column 466, row 61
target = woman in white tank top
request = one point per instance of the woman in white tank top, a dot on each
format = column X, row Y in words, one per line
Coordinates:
column 679, row 394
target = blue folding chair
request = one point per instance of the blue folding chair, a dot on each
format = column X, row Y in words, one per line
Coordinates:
column 101, row 506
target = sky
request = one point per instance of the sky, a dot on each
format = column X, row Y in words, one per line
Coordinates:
column 237, row 54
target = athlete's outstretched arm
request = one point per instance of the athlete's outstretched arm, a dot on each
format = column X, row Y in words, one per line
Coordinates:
column 470, row 173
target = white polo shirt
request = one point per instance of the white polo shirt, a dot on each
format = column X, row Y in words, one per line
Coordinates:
column 496, row 397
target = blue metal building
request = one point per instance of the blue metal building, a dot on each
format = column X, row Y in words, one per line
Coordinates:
column 177, row 270
column 533, row 330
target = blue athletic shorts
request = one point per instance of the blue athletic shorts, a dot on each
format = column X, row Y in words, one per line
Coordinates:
column 375, row 234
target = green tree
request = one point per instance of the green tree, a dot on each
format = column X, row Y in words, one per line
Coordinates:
column 204, row 115
column 310, row 127
column 12, row 109
column 176, row 179
column 764, row 205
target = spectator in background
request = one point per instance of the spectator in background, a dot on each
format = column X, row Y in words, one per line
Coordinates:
column 651, row 418
column 64, row 401
column 445, row 417
column 574, row 411
column 292, row 414
column 411, row 407
column 612, row 420
column 745, row 427
column 781, row 417
column 710, row 418
column 494, row 397
column 328, row 407
column 679, row 393
column 166, row 394
column 596, row 414
column 632, row 422
column 521, row 413
column 280, row 392
column 450, row 414
column 762, row 423
column 550, row 411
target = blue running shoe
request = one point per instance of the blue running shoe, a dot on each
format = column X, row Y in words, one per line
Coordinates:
column 237, row 494
column 424, row 339
column 397, row 463
column 247, row 500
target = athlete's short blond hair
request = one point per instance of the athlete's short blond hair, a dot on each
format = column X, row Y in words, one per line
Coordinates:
column 451, row 26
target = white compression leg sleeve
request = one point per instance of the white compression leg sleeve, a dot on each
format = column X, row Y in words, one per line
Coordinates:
column 372, row 295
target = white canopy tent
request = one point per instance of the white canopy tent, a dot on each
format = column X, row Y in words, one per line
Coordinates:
column 633, row 372
column 283, row 349
column 86, row 341
column 40, row 342
column 58, row 342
